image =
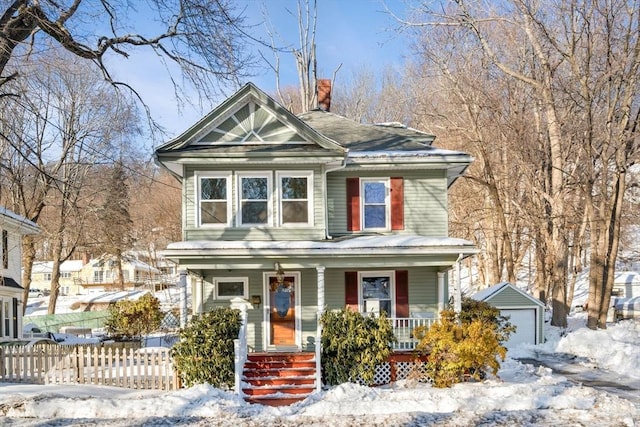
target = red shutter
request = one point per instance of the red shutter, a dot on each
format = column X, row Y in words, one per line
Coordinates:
column 351, row 290
column 402, row 293
column 353, row 204
column 397, row 204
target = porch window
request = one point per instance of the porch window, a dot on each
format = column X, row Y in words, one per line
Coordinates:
column 294, row 189
column 213, row 196
column 231, row 287
column 376, row 290
column 254, row 204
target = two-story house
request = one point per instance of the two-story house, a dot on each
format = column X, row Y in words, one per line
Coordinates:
column 12, row 228
column 301, row 214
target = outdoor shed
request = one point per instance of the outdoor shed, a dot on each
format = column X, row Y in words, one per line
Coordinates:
column 523, row 310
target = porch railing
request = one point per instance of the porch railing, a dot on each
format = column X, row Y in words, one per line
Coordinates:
column 403, row 328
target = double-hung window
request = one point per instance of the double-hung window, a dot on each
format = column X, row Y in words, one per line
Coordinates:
column 213, row 196
column 375, row 203
column 376, row 292
column 254, row 194
column 295, row 201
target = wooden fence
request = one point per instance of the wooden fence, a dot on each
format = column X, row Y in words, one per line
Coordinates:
column 143, row 368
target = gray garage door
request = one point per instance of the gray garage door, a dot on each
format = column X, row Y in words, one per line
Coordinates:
column 525, row 321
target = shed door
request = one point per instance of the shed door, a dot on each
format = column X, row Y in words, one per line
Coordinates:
column 525, row 322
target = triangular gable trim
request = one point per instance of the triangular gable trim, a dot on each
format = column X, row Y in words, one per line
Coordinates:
column 487, row 294
column 252, row 97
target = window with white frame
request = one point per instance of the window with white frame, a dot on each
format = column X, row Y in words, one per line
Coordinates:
column 254, row 194
column 295, row 201
column 65, row 274
column 377, row 292
column 6, row 315
column 375, row 203
column 47, row 276
column 231, row 287
column 213, row 196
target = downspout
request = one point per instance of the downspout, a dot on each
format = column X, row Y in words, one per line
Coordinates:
column 342, row 165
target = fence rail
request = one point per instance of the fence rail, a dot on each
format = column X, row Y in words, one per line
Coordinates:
column 403, row 329
column 144, row 368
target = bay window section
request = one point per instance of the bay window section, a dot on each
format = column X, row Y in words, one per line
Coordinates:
column 375, row 203
column 295, row 189
column 213, row 197
column 254, row 195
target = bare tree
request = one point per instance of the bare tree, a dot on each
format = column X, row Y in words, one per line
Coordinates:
column 203, row 37
column 579, row 66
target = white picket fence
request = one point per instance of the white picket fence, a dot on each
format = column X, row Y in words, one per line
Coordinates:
column 89, row 364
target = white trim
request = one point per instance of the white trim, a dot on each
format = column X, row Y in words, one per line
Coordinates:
column 266, row 326
column 216, row 287
column 256, row 174
column 391, row 274
column 387, row 203
column 198, row 175
column 310, row 195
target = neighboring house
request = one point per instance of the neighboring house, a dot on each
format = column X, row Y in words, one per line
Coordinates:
column 69, row 276
column 301, row 214
column 12, row 228
column 100, row 274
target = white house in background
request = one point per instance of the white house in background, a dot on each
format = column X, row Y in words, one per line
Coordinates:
column 69, row 274
column 12, row 228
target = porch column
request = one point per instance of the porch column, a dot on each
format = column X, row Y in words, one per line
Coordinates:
column 183, row 298
column 320, row 271
column 198, row 302
column 440, row 292
column 458, row 298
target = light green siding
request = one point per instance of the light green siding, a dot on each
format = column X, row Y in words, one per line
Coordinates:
column 425, row 201
column 190, row 199
column 256, row 316
column 423, row 289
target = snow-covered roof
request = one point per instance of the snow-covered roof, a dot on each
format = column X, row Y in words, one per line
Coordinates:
column 110, row 297
column 26, row 226
column 47, row 266
column 395, row 243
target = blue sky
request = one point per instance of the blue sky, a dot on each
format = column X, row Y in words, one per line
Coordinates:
column 352, row 33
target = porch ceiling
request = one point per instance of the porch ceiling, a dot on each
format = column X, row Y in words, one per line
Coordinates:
column 361, row 251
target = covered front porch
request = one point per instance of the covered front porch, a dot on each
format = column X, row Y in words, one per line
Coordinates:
column 283, row 288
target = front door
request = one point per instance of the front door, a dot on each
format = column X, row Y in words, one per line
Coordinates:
column 282, row 330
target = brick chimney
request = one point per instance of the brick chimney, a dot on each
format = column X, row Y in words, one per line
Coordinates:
column 324, row 94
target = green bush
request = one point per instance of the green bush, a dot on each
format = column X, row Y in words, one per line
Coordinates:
column 133, row 319
column 352, row 346
column 465, row 345
column 205, row 353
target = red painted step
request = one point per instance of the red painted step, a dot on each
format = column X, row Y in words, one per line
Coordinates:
column 278, row 379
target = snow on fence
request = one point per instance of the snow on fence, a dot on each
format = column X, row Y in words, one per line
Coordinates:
column 143, row 368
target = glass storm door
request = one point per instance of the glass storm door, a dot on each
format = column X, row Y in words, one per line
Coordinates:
column 282, row 312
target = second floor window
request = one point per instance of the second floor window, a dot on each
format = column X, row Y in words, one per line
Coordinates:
column 5, row 249
column 255, row 192
column 375, row 203
column 214, row 204
column 295, row 198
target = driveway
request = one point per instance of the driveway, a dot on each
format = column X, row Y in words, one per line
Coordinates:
column 582, row 371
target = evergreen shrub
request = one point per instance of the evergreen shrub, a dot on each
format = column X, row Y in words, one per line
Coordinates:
column 132, row 319
column 352, row 346
column 466, row 345
column 205, row 354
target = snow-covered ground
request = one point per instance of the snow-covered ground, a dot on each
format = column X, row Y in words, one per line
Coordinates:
column 521, row 395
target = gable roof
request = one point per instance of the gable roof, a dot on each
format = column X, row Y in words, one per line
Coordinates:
column 490, row 292
column 258, row 120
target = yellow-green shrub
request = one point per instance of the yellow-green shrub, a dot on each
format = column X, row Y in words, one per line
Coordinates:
column 132, row 319
column 465, row 345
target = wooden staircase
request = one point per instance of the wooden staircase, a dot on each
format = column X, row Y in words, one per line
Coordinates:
column 278, row 379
